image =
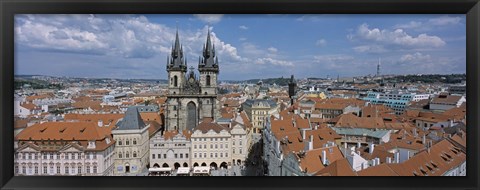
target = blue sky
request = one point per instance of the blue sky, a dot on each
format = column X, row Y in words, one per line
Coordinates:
column 248, row 46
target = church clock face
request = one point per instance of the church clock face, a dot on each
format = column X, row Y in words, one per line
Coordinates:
column 191, row 80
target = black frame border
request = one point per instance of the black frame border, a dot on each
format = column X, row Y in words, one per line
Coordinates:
column 8, row 8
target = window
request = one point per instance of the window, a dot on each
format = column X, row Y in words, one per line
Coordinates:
column 119, row 155
column 233, row 142
column 181, row 155
column 36, row 156
column 16, row 169
column 134, row 154
column 164, row 155
column 58, row 169
column 195, row 155
column 88, row 169
column 240, row 142
column 24, row 170
column 216, row 155
column 44, row 156
column 208, row 80
column 205, row 155
column 127, row 142
column 211, row 155
column 66, row 169
column 94, row 169
column 205, row 146
column 79, row 169
column 175, row 80
column 226, row 154
column 240, row 150
column 159, row 156
column 216, row 146
column 51, row 169
column 36, row 169
column 221, row 145
column 186, row 155
column 51, row 155
column 134, row 141
column 127, row 155
column 175, row 155
column 119, row 142
column 233, row 151
column 226, row 145
column 211, row 145
column 153, row 156
column 195, row 146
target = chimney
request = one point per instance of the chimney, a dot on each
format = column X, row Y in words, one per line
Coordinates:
column 278, row 145
column 389, row 160
column 378, row 161
column 415, row 132
column 374, row 162
column 370, row 150
column 100, row 123
column 408, row 155
column 303, row 134
column 359, row 144
column 316, row 127
column 324, row 157
column 310, row 144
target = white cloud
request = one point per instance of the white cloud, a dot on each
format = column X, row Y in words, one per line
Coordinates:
column 243, row 27
column 431, row 24
column 272, row 50
column 410, row 25
column 398, row 37
column 415, row 57
column 369, row 49
column 321, row 42
column 333, row 58
column 445, row 20
column 209, row 18
column 262, row 61
column 242, row 39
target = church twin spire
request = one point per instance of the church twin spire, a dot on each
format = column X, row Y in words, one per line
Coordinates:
column 176, row 61
column 209, row 61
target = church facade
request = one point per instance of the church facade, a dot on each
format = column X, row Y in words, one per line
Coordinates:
column 190, row 97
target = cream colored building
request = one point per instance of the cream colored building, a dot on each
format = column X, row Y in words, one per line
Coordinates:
column 211, row 145
column 132, row 147
column 170, row 150
column 64, row 148
column 257, row 110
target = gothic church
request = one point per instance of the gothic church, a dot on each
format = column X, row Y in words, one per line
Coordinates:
column 191, row 98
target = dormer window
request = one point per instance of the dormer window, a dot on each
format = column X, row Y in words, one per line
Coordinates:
column 91, row 145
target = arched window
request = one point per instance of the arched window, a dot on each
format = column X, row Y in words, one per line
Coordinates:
column 134, row 154
column 119, row 155
column 127, row 142
column 127, row 155
column 119, row 142
column 208, row 80
column 175, row 80
column 134, row 141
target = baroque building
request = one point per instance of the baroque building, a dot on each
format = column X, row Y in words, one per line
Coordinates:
column 191, row 98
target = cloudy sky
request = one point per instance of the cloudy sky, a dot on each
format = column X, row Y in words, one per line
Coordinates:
column 248, row 46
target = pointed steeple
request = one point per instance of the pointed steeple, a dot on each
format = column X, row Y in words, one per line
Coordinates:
column 177, row 61
column 209, row 61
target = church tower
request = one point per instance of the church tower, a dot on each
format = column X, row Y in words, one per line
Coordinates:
column 176, row 68
column 208, row 68
column 190, row 98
